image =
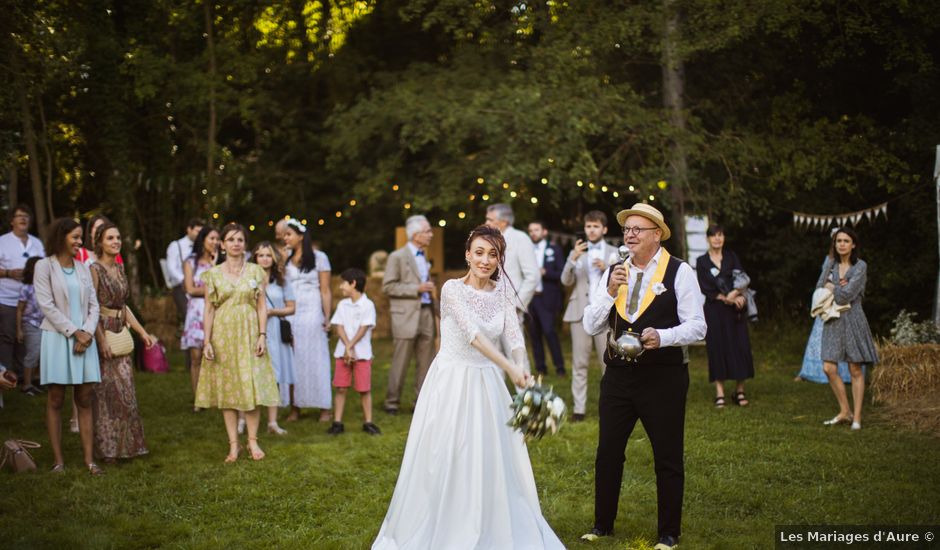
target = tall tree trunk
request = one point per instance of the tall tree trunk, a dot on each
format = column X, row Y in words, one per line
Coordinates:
column 29, row 137
column 13, row 184
column 210, row 50
column 48, row 152
column 673, row 91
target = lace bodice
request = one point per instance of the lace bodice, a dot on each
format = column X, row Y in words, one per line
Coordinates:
column 466, row 312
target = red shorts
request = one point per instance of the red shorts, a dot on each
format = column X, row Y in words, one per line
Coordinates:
column 360, row 370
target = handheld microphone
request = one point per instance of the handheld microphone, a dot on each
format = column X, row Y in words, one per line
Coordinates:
column 624, row 253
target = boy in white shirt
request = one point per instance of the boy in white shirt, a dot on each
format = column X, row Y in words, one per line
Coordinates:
column 354, row 320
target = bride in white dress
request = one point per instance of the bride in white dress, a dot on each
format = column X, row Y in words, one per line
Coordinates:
column 466, row 480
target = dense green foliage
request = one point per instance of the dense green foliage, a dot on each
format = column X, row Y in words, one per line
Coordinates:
column 773, row 463
column 154, row 111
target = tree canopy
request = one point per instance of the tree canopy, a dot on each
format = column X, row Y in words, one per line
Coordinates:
column 352, row 115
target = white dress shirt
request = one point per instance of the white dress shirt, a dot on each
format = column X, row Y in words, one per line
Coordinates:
column 424, row 269
column 540, row 259
column 595, row 251
column 177, row 253
column 13, row 255
column 691, row 327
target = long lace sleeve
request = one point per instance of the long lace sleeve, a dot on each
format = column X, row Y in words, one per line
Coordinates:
column 512, row 334
column 455, row 307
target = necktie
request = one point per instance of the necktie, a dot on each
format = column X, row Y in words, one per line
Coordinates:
column 635, row 295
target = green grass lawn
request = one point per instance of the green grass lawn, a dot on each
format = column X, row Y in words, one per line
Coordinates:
column 747, row 469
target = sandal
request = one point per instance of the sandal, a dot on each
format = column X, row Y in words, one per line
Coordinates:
column 233, row 457
column 58, row 469
column 720, row 402
column 740, row 399
column 256, row 452
column 273, row 428
column 836, row 420
column 94, row 469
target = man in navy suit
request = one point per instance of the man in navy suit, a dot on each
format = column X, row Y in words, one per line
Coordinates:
column 546, row 305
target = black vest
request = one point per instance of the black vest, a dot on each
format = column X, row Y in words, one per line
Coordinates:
column 661, row 313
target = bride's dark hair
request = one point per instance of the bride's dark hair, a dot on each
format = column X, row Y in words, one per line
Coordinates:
column 496, row 240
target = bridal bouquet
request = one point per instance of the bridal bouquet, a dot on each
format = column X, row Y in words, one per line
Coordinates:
column 537, row 410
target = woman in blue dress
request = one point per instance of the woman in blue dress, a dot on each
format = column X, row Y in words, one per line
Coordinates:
column 68, row 354
column 280, row 301
column 812, row 369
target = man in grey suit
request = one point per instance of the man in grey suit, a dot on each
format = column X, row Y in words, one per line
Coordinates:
column 520, row 264
column 586, row 264
column 411, row 302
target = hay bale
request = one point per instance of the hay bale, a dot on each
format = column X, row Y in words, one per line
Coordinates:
column 905, row 373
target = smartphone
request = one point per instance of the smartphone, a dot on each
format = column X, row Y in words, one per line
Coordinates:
column 581, row 236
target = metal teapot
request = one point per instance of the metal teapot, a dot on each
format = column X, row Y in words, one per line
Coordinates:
column 626, row 346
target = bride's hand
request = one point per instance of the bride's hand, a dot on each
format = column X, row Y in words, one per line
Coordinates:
column 520, row 377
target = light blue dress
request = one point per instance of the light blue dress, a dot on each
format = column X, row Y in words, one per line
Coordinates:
column 58, row 364
column 812, row 358
column 282, row 355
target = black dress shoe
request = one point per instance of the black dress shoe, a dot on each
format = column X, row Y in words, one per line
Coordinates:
column 391, row 411
column 595, row 534
column 336, row 429
column 371, row 429
column 562, row 373
column 577, row 417
column 666, row 542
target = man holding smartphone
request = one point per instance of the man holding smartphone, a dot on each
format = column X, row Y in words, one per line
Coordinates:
column 586, row 264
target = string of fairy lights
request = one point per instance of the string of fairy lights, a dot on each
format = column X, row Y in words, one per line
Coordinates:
column 483, row 195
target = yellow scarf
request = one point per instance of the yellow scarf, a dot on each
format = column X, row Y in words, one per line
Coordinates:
column 621, row 301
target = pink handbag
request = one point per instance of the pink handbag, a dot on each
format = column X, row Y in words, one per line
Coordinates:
column 153, row 359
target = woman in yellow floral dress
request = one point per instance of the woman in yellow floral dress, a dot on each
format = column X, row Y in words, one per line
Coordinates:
column 236, row 370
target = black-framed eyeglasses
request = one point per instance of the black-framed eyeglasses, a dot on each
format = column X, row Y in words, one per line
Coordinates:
column 636, row 230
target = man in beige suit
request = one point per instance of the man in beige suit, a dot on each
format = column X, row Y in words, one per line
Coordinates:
column 586, row 264
column 411, row 302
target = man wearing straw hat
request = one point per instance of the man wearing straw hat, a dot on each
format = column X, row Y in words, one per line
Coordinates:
column 656, row 296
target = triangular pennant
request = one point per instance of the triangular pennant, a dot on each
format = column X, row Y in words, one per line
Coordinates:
column 868, row 214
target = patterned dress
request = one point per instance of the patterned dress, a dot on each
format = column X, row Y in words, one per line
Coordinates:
column 119, row 432
column 847, row 337
column 311, row 345
column 236, row 378
column 193, row 335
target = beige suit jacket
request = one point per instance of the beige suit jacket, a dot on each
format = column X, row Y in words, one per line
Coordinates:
column 400, row 284
column 576, row 273
column 52, row 296
column 521, row 266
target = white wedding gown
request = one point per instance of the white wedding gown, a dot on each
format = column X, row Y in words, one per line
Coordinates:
column 466, row 480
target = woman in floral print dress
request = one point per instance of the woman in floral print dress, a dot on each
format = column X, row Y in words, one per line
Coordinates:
column 236, row 370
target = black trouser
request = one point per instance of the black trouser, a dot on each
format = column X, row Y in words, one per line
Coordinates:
column 12, row 352
column 541, row 323
column 654, row 395
column 181, row 300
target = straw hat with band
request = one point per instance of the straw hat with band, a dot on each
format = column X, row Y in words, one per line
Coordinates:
column 648, row 212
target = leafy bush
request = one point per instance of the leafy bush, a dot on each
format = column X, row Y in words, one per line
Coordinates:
column 907, row 331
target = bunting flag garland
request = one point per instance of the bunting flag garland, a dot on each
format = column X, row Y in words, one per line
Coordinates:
column 824, row 221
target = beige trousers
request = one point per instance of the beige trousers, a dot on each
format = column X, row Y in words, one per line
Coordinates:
column 581, row 343
column 422, row 348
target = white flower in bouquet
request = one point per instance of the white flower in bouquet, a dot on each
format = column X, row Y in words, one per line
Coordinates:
column 537, row 410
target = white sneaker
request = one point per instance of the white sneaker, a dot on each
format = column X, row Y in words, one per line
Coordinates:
column 241, row 426
column 856, row 425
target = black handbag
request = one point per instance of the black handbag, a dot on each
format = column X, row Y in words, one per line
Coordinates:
column 287, row 332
